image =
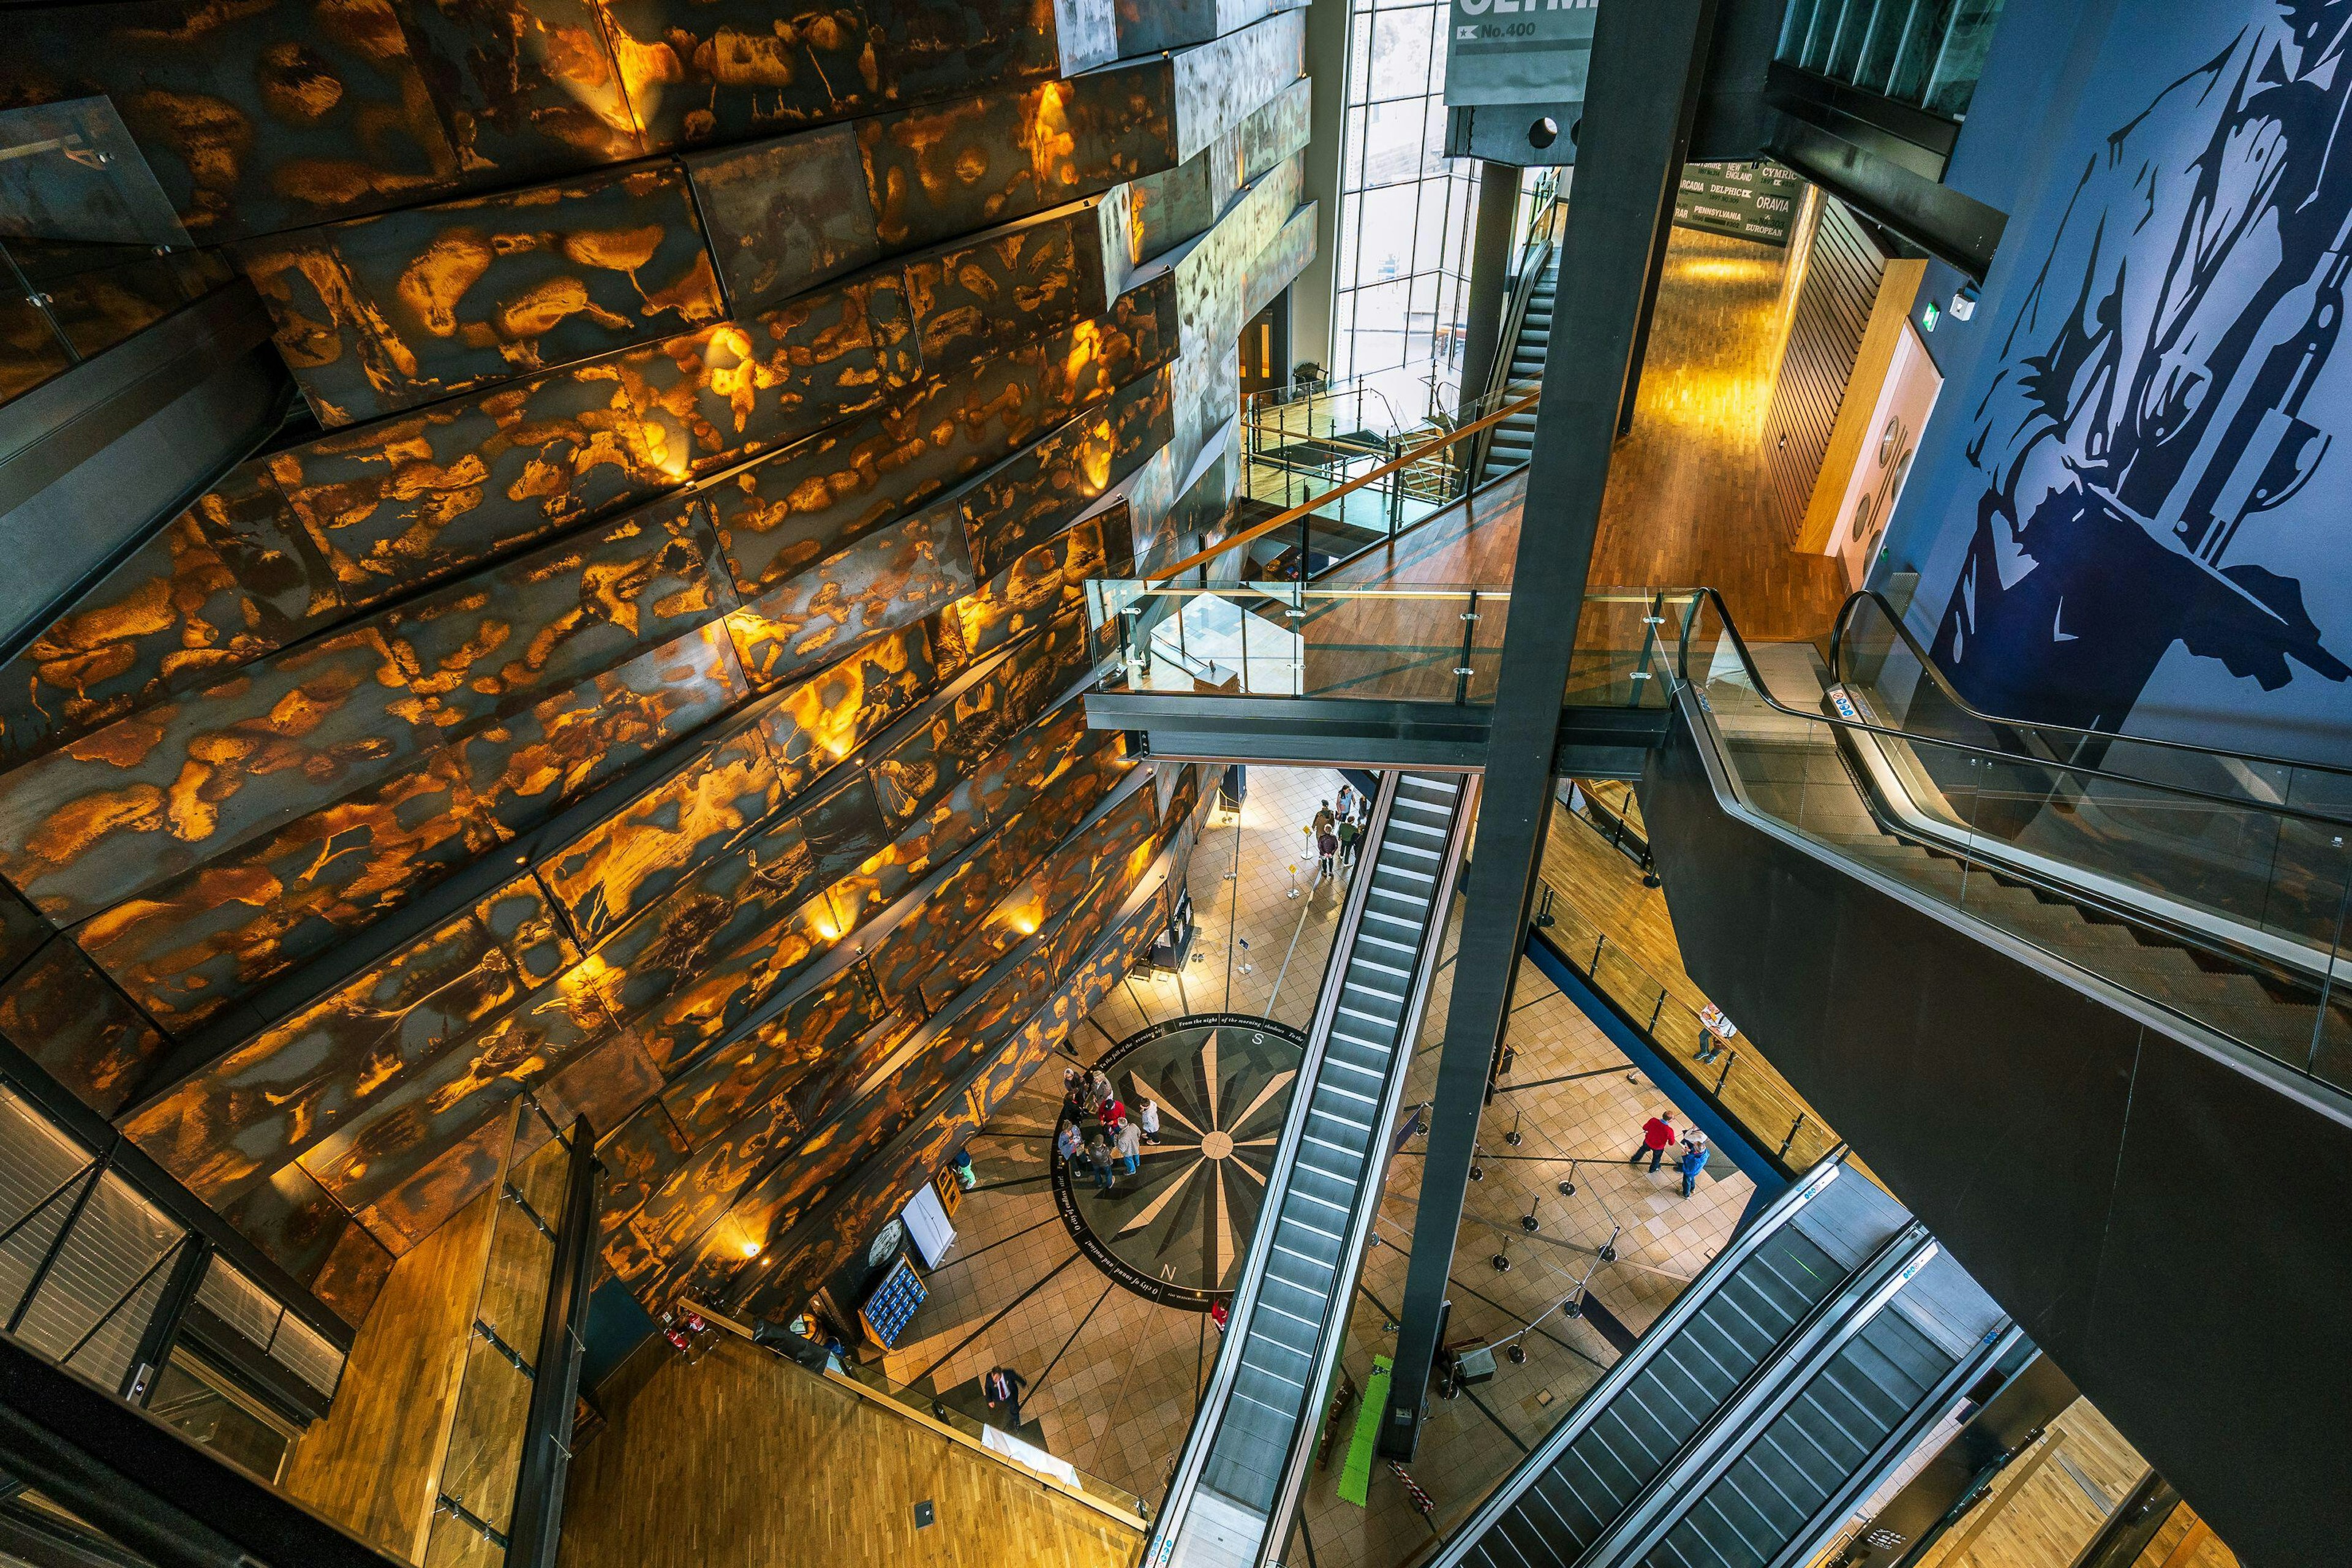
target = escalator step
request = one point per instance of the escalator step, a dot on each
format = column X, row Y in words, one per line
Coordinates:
column 1828, row 1430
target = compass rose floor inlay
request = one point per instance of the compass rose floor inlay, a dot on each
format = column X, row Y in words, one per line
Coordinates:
column 1176, row 1231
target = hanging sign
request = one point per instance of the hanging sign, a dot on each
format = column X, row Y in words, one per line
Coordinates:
column 1747, row 201
column 1518, row 51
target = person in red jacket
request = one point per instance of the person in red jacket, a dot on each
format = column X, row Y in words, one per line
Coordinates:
column 1658, row 1135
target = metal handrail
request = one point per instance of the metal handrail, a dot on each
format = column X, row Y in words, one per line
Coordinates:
column 1912, row 738
column 1945, row 689
column 1368, row 1193
column 1207, row 1418
column 1538, row 1460
column 1284, row 519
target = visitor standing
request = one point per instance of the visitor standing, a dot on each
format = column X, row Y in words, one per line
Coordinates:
column 1130, row 1147
column 1003, row 1385
column 1147, row 1116
column 1349, row 837
column 1658, row 1135
column 1098, row 1159
column 1693, row 1159
column 1327, row 854
column 1069, row 1142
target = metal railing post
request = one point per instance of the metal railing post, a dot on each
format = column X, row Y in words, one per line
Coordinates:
column 1469, row 637
column 1725, row 1076
column 1786, row 1143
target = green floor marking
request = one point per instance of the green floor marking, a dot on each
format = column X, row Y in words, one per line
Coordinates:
column 1356, row 1475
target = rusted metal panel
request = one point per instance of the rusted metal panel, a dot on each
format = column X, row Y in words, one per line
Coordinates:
column 942, row 47
column 814, row 725
column 528, row 90
column 61, row 1012
column 255, row 117
column 154, row 795
column 638, row 1156
column 642, row 851
column 354, row 1271
column 296, row 1082
column 292, row 1220
column 946, row 170
column 694, row 962
column 1008, row 287
column 491, row 645
column 1040, row 490
column 403, row 503
column 471, row 1082
column 606, row 1086
column 434, row 301
column 943, row 752
column 920, row 848
column 188, row 946
column 1040, row 586
column 892, row 577
column 785, row 216
column 746, row 1073
column 723, row 70
column 229, row 580
column 522, row 770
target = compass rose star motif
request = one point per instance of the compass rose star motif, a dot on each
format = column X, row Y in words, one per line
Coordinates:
column 1183, row 1220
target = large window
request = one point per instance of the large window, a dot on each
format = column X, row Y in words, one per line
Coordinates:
column 1401, row 270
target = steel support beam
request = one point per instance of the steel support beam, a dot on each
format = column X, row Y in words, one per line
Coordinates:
column 1641, row 100
column 538, row 1514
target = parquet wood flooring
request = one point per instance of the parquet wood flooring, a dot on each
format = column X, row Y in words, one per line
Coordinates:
column 740, row 1460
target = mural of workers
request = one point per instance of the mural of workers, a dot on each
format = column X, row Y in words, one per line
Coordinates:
column 2154, row 445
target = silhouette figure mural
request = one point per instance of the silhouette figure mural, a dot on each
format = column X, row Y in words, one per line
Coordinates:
column 2155, row 484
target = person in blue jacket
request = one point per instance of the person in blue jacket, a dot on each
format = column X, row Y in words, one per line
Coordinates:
column 1693, row 1161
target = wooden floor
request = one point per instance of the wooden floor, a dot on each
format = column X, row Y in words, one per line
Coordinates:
column 742, row 1460
column 2042, row 1512
column 1686, row 505
column 1598, row 892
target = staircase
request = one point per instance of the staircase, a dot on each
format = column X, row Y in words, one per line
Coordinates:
column 1514, row 440
column 1237, row 1479
column 1807, row 773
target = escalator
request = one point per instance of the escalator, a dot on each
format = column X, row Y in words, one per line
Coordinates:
column 1778, row 1388
column 2080, row 998
column 1514, row 439
column 1237, row 1479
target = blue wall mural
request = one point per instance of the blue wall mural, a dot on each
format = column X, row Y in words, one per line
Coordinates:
column 2135, row 513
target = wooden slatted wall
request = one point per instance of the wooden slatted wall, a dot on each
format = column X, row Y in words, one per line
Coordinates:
column 1825, row 333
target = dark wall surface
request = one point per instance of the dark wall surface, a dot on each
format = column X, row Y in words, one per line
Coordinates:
column 2165, row 1217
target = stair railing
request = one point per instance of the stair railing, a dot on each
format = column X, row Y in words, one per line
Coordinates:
column 2285, row 931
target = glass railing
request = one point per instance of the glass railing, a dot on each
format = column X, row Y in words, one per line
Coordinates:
column 872, row 1383
column 1895, row 682
column 1415, row 643
column 1752, row 1096
column 1929, row 57
column 2227, row 910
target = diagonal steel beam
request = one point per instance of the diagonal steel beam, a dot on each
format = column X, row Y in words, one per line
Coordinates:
column 1647, row 63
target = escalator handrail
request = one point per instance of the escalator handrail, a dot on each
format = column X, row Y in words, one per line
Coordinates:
column 1332, row 1337
column 1911, row 738
column 1866, row 1292
column 1208, row 1416
column 1913, row 1429
column 1949, row 693
column 1538, row 1460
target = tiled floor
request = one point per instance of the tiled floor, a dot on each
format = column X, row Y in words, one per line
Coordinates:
column 1114, row 1377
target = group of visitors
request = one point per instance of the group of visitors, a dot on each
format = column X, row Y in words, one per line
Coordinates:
column 1115, row 1149
column 1337, row 834
column 1659, row 1134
